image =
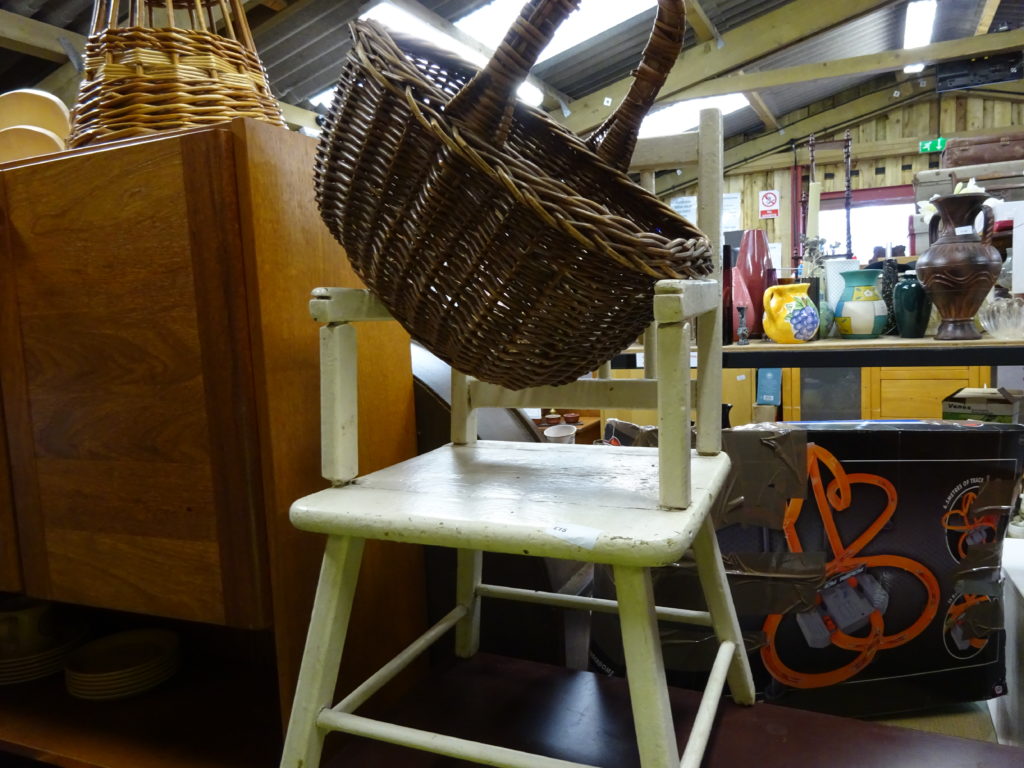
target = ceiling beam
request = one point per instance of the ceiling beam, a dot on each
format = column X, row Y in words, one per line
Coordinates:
column 767, row 116
column 782, row 27
column 703, row 28
column 36, row 38
column 988, row 13
column 874, row 63
column 872, row 150
column 826, row 121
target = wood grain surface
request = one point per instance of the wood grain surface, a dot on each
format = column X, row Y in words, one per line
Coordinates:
column 288, row 253
column 10, row 566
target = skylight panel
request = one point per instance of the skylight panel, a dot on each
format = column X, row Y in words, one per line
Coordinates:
column 685, row 115
column 918, row 28
column 489, row 23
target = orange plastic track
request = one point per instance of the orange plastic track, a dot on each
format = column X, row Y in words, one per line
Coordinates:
column 967, row 524
column 834, row 498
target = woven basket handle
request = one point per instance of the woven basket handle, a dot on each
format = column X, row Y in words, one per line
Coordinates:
column 485, row 103
column 615, row 139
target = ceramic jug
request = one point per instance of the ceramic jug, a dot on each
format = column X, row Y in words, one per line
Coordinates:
column 861, row 311
column 960, row 267
column 789, row 314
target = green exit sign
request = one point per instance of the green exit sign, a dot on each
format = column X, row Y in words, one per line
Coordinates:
column 932, row 145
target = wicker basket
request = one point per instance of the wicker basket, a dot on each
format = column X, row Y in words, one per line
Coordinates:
column 507, row 246
column 143, row 79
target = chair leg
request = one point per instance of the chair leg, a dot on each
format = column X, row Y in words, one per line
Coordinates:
column 468, row 571
column 645, row 668
column 325, row 640
column 723, row 612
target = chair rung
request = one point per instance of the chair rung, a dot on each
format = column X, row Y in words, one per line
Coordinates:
column 679, row 615
column 438, row 743
column 701, row 729
column 382, row 676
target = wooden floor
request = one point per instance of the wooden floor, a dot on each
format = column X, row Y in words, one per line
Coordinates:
column 585, row 718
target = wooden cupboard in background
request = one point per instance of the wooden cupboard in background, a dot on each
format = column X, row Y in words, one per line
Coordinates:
column 893, row 392
column 160, row 384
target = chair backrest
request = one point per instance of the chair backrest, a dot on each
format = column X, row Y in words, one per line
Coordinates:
column 678, row 305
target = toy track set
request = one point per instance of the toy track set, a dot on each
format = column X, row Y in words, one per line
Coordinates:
column 877, row 587
column 909, row 518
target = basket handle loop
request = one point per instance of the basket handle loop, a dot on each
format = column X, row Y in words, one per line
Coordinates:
column 485, row 103
column 614, row 140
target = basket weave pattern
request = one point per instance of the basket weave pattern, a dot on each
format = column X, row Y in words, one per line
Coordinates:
column 519, row 254
column 142, row 80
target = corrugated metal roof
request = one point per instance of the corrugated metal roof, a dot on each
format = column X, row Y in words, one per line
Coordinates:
column 304, row 45
column 958, row 18
column 881, row 30
column 580, row 70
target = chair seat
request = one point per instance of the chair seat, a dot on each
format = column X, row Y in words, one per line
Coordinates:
column 580, row 502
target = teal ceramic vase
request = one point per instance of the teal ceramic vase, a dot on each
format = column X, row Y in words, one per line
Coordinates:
column 911, row 306
column 861, row 311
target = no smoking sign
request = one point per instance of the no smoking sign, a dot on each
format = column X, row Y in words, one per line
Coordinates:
column 768, row 204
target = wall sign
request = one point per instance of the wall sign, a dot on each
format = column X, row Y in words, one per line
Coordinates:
column 931, row 145
column 768, row 204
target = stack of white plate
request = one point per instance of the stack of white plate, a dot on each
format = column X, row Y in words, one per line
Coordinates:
column 122, row 665
column 43, row 663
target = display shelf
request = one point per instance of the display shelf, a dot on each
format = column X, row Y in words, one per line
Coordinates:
column 884, row 351
column 208, row 716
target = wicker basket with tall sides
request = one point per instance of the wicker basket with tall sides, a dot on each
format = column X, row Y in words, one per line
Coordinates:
column 510, row 248
column 168, row 68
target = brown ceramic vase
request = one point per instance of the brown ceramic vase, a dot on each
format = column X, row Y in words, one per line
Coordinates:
column 960, row 267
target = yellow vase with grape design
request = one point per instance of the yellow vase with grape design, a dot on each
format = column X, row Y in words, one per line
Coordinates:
column 789, row 314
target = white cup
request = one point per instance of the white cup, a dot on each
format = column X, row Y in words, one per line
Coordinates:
column 560, row 433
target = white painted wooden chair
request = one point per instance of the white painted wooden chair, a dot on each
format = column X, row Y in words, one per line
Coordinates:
column 631, row 508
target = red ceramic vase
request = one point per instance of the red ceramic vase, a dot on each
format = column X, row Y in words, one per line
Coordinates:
column 960, row 267
column 750, row 279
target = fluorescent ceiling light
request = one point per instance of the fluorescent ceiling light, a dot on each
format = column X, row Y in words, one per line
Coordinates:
column 395, row 18
column 685, row 115
column 918, row 28
column 489, row 23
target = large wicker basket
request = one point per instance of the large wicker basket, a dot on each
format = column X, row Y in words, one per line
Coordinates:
column 503, row 243
column 141, row 78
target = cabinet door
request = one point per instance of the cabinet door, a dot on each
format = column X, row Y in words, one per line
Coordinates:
column 916, row 393
column 124, row 381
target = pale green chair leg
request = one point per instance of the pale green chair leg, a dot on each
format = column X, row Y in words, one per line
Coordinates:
column 645, row 668
column 469, row 568
column 321, row 659
column 723, row 612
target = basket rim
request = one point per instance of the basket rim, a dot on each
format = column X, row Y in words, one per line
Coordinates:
column 370, row 39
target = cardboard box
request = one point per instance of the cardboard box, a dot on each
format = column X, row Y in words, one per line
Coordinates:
column 879, row 589
column 993, row 404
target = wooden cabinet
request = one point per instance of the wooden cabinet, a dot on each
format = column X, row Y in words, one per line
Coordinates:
column 160, row 387
column 915, row 393
column 893, row 392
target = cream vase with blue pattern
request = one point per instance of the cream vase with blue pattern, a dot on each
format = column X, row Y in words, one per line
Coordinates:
column 861, row 311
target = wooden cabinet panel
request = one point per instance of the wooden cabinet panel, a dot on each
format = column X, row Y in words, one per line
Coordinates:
column 122, row 400
column 160, row 386
column 895, row 393
column 10, row 569
column 915, row 393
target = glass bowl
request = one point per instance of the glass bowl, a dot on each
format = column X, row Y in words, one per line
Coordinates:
column 1004, row 318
